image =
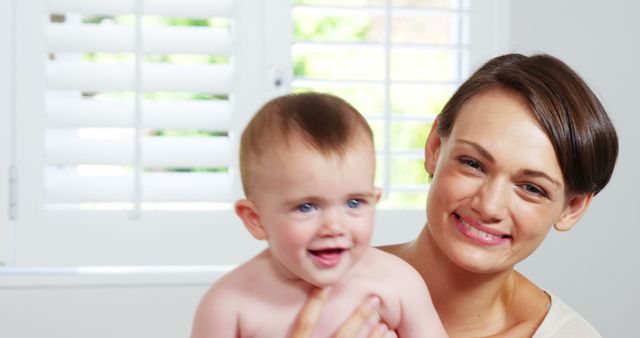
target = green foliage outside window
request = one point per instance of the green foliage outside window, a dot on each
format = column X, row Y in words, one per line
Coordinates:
column 422, row 80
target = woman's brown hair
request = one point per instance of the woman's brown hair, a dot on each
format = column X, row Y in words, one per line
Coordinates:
column 573, row 118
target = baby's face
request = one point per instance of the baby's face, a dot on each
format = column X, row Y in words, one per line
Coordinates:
column 317, row 211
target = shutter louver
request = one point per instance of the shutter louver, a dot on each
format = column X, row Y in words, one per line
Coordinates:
column 186, row 105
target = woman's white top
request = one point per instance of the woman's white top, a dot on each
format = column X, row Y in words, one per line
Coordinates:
column 564, row 322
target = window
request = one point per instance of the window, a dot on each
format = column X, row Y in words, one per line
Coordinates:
column 120, row 119
column 395, row 61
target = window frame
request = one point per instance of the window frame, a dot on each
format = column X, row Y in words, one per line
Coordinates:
column 6, row 130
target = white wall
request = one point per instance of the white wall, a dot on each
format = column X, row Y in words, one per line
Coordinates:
column 594, row 267
column 145, row 304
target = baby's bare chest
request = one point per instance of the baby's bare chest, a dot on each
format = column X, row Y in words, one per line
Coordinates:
column 276, row 317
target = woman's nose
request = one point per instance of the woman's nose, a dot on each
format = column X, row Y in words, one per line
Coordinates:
column 491, row 200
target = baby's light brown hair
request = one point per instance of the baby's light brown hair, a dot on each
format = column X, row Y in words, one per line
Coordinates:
column 324, row 122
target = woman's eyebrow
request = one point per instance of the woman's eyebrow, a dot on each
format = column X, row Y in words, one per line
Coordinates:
column 536, row 173
column 479, row 149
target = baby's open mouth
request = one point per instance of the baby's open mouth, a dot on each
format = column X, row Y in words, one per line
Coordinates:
column 327, row 258
column 327, row 252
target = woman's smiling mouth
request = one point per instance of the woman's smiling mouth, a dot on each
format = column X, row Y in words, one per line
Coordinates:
column 476, row 234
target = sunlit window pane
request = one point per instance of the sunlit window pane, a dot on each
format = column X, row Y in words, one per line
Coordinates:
column 339, row 64
column 313, row 26
column 409, row 135
column 349, row 3
column 449, row 4
column 377, row 126
column 425, row 29
column 440, row 4
column 404, row 200
column 416, row 64
column 408, row 172
column 419, row 100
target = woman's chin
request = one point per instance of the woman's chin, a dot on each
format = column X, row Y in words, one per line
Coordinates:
column 478, row 261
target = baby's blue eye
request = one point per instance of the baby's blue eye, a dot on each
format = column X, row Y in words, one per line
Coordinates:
column 353, row 203
column 305, row 207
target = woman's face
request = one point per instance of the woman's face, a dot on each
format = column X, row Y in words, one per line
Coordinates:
column 497, row 187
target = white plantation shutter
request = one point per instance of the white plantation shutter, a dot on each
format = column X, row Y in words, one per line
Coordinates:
column 74, row 103
column 127, row 121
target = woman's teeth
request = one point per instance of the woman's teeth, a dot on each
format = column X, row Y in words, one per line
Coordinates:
column 479, row 232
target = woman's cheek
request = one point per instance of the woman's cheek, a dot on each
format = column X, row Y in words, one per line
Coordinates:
column 452, row 179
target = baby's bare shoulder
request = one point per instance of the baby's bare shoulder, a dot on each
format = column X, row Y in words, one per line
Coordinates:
column 389, row 265
column 240, row 282
column 390, row 275
column 217, row 313
column 224, row 290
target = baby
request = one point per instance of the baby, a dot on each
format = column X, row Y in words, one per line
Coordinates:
column 307, row 163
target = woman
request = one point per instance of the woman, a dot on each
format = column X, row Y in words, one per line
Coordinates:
column 522, row 146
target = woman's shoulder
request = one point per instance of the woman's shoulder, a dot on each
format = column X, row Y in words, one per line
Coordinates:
column 563, row 321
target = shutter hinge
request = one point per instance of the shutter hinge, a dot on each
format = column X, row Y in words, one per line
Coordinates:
column 13, row 193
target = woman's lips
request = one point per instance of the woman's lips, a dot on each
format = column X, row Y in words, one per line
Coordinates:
column 483, row 236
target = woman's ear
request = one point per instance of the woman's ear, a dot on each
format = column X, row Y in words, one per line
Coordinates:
column 248, row 213
column 575, row 208
column 432, row 149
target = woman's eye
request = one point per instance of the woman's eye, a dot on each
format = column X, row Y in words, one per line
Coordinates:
column 534, row 190
column 353, row 203
column 306, row 207
column 471, row 163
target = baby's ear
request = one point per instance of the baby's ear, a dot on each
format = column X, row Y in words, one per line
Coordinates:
column 248, row 213
column 377, row 194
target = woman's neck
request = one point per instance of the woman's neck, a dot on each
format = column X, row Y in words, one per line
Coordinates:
column 469, row 304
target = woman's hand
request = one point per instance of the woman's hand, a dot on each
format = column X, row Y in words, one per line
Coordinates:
column 364, row 317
